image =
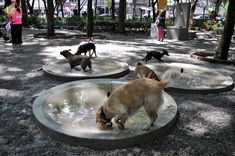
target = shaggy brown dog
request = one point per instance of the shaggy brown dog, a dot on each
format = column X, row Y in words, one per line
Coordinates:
column 75, row 60
column 127, row 99
column 142, row 71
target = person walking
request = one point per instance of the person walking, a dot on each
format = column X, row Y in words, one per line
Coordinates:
column 161, row 25
column 15, row 16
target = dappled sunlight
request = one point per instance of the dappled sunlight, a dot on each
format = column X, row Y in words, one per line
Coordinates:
column 32, row 75
column 8, row 77
column 110, row 47
column 217, row 118
column 8, row 68
column 14, row 69
column 211, row 121
column 10, row 93
column 36, row 43
column 198, row 129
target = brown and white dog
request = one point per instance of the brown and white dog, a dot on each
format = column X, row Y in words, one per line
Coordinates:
column 127, row 99
column 142, row 71
column 75, row 60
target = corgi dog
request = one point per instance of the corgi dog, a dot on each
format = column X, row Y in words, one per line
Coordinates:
column 75, row 60
column 142, row 71
column 125, row 100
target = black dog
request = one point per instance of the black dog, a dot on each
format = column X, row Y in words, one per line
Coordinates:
column 75, row 60
column 157, row 55
column 84, row 48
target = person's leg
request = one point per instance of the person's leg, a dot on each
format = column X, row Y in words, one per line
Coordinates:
column 161, row 33
column 19, row 36
column 13, row 35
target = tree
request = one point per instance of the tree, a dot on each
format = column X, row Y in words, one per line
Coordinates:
column 30, row 6
column 154, row 3
column 113, row 9
column 121, row 16
column 224, row 44
column 192, row 10
column 25, row 13
column 49, row 7
column 134, row 7
column 89, row 18
column 79, row 8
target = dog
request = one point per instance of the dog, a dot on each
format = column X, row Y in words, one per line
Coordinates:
column 87, row 47
column 75, row 60
column 157, row 55
column 125, row 100
column 142, row 71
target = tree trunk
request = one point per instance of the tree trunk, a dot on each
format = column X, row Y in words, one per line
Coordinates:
column 153, row 9
column 30, row 7
column 224, row 44
column 134, row 8
column 113, row 9
column 121, row 16
column 217, row 6
column 79, row 8
column 25, row 13
column 50, row 18
column 95, row 6
column 193, row 8
column 89, row 18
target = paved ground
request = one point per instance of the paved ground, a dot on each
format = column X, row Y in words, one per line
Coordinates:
column 205, row 125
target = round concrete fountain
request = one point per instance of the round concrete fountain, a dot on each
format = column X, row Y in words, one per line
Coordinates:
column 101, row 68
column 67, row 113
column 194, row 79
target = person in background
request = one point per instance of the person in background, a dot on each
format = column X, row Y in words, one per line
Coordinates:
column 161, row 25
column 15, row 16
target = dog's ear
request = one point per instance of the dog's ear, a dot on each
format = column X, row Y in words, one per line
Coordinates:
column 69, row 49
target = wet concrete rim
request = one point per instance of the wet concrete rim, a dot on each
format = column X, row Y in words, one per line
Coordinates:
column 88, row 140
column 124, row 70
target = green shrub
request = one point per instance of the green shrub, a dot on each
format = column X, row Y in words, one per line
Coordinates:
column 32, row 20
column 213, row 25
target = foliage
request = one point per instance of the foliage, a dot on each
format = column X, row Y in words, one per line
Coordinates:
column 139, row 24
column 169, row 22
column 213, row 25
column 2, row 18
column 33, row 20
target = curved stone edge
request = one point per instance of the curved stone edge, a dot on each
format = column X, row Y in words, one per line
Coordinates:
column 200, row 91
column 107, row 144
column 112, row 143
column 71, row 78
column 197, row 56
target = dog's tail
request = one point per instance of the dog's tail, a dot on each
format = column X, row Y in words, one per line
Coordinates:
column 169, row 77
